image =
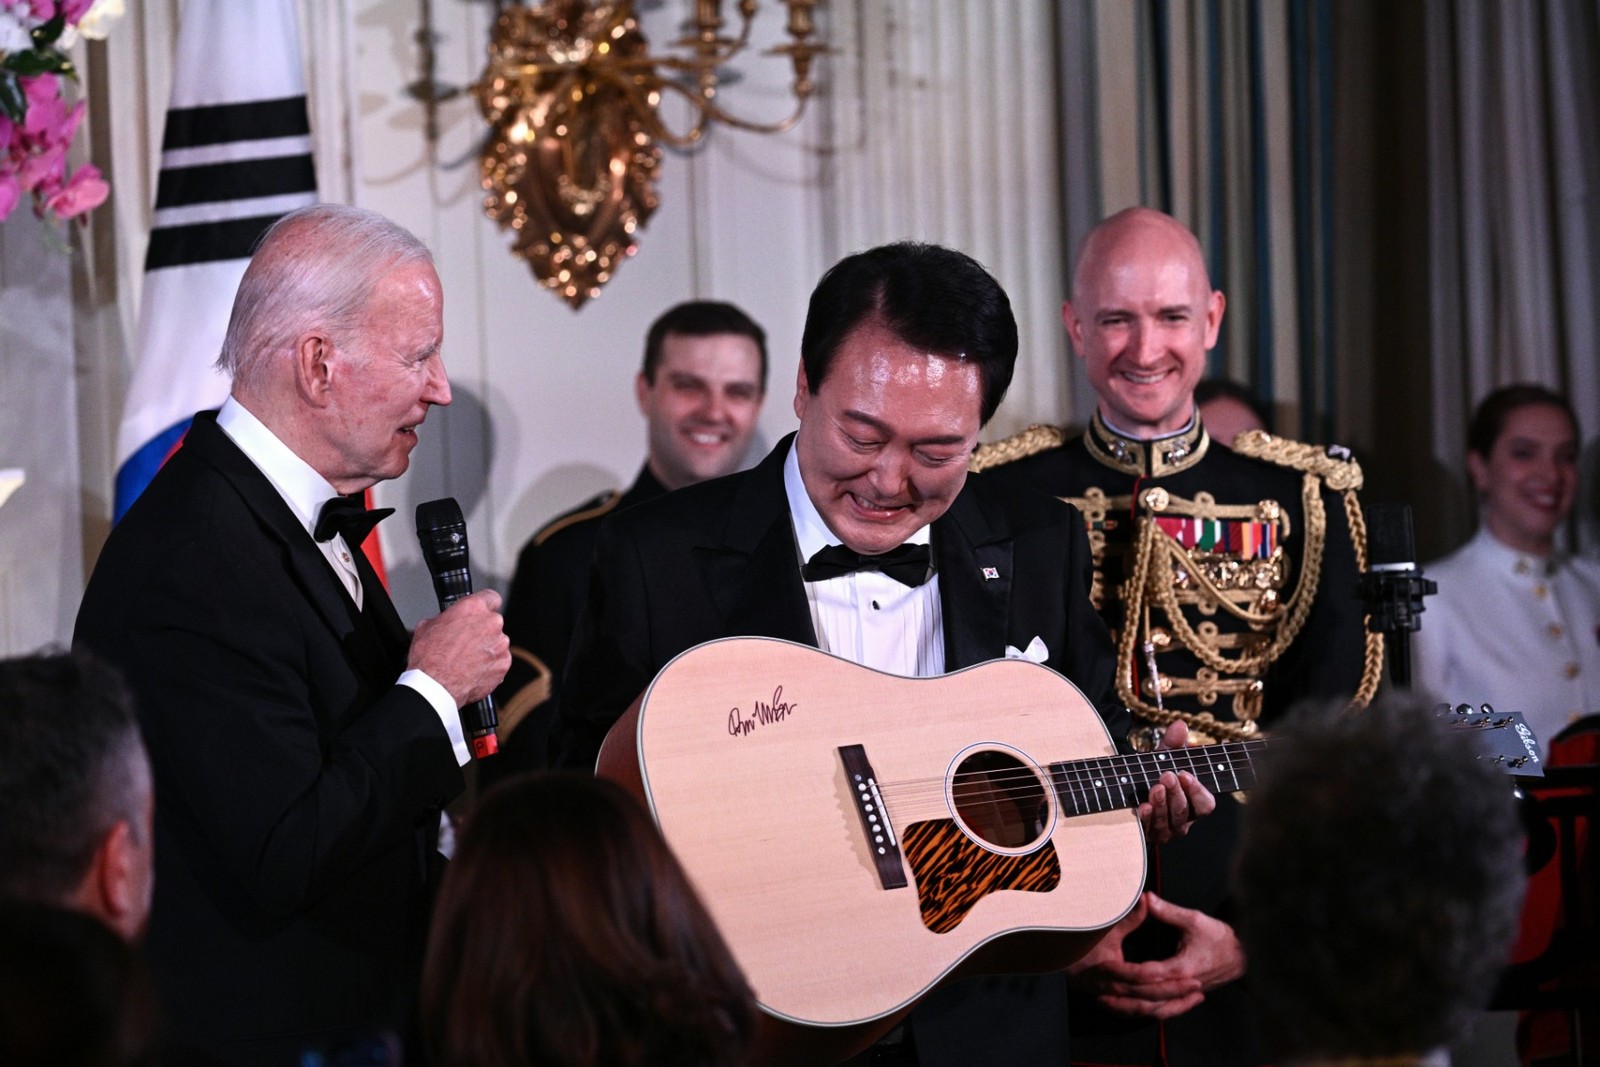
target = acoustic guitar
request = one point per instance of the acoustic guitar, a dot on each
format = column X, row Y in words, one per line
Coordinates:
column 860, row 837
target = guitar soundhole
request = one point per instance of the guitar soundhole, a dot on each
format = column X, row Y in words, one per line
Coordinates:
column 1000, row 800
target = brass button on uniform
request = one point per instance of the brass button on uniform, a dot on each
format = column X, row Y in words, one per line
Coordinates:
column 1541, row 590
column 1572, row 670
column 1555, row 630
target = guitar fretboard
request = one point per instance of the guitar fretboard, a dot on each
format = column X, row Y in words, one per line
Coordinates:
column 1107, row 783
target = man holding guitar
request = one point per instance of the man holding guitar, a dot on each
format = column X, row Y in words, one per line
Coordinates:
column 863, row 534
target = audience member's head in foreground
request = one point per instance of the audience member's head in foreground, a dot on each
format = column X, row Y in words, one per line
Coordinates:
column 75, row 793
column 72, row 993
column 1380, row 883
column 566, row 934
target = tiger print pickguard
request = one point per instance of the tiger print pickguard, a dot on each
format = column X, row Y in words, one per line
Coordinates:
column 953, row 872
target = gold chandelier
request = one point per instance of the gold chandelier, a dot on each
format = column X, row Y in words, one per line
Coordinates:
column 572, row 96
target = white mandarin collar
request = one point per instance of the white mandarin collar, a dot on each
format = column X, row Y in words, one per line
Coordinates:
column 1507, row 560
column 811, row 533
column 302, row 488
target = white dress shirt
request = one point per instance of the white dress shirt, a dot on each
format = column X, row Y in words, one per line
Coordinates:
column 867, row 617
column 305, row 491
column 1512, row 630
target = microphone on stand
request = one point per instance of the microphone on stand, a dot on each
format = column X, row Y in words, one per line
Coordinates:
column 1393, row 586
column 442, row 532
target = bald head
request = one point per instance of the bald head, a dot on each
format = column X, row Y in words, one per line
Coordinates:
column 1132, row 234
column 1142, row 317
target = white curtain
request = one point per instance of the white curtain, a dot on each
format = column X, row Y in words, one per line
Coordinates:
column 1514, row 266
column 942, row 127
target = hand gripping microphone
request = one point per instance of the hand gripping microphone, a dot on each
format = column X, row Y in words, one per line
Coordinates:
column 442, row 533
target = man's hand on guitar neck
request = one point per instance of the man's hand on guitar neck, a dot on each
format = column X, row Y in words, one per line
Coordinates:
column 1208, row 955
column 1177, row 800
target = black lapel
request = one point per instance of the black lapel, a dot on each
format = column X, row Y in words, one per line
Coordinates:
column 972, row 547
column 380, row 612
column 308, row 568
column 754, row 573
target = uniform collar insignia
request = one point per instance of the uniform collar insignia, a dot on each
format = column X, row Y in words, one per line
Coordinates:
column 1146, row 459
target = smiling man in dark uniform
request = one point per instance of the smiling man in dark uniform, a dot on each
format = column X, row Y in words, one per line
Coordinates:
column 700, row 390
column 1229, row 580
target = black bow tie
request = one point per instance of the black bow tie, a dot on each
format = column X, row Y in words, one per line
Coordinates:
column 907, row 564
column 348, row 515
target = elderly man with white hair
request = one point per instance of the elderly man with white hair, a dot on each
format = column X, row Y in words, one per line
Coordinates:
column 302, row 742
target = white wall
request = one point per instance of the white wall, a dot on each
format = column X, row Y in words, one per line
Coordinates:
column 41, row 563
column 936, row 121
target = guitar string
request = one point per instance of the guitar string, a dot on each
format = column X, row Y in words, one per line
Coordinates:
column 1230, row 766
column 1084, row 784
column 1089, row 775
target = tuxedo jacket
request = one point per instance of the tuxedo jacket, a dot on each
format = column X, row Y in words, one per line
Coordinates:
column 719, row 559
column 297, row 787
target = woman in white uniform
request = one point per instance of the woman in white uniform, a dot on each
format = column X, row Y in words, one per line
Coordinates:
column 1516, row 624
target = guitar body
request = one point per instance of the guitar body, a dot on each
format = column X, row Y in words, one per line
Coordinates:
column 774, row 770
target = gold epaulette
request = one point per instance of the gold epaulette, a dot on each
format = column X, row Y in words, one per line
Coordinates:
column 1035, row 439
column 593, row 511
column 1334, row 465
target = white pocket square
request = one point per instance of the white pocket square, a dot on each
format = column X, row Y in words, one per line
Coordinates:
column 1034, row 653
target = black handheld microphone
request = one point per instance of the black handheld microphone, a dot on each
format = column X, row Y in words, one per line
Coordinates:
column 442, row 532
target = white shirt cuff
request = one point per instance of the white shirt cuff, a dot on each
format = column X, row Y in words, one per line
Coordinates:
column 445, row 706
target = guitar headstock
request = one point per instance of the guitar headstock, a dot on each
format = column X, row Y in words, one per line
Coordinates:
column 1505, row 737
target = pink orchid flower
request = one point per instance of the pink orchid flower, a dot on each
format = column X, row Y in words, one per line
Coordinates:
column 42, row 174
column 85, row 191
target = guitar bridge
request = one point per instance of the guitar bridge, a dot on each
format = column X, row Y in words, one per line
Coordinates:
column 874, row 817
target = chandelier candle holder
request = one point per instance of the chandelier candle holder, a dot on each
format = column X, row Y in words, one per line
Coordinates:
column 572, row 94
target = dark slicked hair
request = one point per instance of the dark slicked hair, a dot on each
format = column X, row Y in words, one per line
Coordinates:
column 71, row 768
column 1489, row 421
column 930, row 297
column 701, row 318
column 1379, row 880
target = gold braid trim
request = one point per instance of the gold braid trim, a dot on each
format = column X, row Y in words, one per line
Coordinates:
column 1372, row 661
column 1294, row 610
column 1155, row 553
column 1203, row 726
column 1340, row 471
column 555, row 526
column 1035, row 439
column 524, row 700
column 1342, row 474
